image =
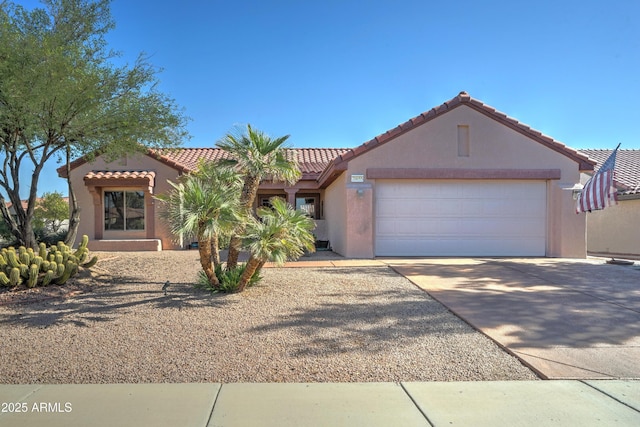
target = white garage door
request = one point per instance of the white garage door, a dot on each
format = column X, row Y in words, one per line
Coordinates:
column 460, row 218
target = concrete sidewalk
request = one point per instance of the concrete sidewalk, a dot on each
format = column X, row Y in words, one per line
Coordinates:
column 531, row 403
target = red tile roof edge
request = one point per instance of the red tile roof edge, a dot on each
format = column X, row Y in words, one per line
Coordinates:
column 463, row 98
column 326, row 155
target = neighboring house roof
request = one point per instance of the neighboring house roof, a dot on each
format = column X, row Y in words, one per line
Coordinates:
column 463, row 98
column 25, row 203
column 627, row 171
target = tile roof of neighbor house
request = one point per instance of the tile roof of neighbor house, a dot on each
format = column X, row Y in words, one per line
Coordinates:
column 25, row 203
column 627, row 169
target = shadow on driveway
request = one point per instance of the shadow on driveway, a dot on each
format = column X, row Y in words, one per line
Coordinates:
column 566, row 318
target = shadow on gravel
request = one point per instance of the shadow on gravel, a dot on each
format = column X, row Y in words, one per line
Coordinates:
column 366, row 321
column 107, row 300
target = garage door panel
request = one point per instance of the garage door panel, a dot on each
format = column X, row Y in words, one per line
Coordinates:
column 440, row 218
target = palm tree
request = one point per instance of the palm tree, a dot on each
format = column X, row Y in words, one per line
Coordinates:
column 203, row 205
column 280, row 234
column 257, row 157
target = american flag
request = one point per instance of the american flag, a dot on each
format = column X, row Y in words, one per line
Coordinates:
column 600, row 192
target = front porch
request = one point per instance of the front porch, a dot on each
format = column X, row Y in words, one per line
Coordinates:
column 126, row 245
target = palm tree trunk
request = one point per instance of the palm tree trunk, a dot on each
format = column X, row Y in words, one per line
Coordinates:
column 234, row 252
column 215, row 250
column 259, row 269
column 247, row 274
column 249, row 192
column 204, row 247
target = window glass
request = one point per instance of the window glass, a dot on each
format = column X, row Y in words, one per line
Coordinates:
column 135, row 210
column 124, row 210
column 306, row 205
column 113, row 210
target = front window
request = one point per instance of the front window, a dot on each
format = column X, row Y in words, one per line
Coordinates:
column 124, row 210
column 307, row 205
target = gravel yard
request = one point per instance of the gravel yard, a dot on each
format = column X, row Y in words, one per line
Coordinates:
column 297, row 325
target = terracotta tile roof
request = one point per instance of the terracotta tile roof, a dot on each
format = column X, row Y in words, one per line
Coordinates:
column 463, row 98
column 311, row 161
column 627, row 167
column 186, row 159
column 315, row 160
column 115, row 177
column 120, row 175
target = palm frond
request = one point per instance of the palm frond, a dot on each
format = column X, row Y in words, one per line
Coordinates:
column 280, row 234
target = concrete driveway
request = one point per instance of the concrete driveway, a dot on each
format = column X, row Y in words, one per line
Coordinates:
column 566, row 319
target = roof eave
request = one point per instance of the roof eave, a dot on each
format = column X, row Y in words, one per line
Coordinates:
column 332, row 172
column 584, row 163
column 62, row 170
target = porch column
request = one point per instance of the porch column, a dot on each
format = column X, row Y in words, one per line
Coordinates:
column 150, row 214
column 291, row 196
column 359, row 221
column 96, row 195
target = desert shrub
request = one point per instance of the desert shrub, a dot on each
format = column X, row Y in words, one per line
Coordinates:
column 48, row 237
column 229, row 279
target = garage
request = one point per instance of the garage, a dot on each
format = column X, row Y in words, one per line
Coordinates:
column 460, row 217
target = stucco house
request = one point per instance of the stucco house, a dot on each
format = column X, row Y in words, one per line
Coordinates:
column 615, row 231
column 461, row 179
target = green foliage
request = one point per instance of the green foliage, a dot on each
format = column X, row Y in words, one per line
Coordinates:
column 62, row 95
column 229, row 279
column 257, row 156
column 50, row 211
column 204, row 205
column 5, row 233
column 281, row 234
column 56, row 264
column 214, row 204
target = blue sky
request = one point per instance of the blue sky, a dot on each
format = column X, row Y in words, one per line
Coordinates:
column 338, row 73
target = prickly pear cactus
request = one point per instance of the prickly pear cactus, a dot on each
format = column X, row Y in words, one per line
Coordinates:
column 44, row 266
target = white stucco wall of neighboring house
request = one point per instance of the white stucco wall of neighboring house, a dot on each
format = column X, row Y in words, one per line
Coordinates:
column 615, row 231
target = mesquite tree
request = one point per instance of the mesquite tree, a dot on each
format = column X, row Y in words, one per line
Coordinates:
column 61, row 96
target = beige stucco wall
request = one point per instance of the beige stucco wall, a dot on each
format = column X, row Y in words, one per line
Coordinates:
column 133, row 163
column 492, row 146
column 335, row 212
column 615, row 231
